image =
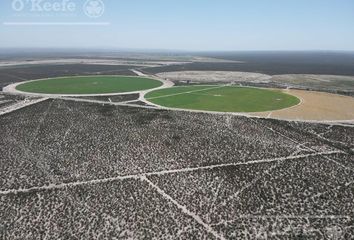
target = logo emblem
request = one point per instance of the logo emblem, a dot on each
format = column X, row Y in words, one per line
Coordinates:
column 94, row 8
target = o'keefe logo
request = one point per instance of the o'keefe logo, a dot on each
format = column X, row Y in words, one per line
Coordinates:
column 94, row 8
column 44, row 5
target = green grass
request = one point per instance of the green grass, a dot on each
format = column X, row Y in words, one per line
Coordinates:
column 89, row 85
column 222, row 99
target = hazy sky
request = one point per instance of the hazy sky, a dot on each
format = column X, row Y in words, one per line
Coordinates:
column 185, row 25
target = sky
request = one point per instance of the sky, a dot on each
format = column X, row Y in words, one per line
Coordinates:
column 193, row 25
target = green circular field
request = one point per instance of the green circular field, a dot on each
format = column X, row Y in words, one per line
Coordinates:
column 222, row 99
column 89, row 85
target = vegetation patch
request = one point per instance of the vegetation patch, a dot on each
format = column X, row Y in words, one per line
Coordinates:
column 222, row 98
column 89, row 85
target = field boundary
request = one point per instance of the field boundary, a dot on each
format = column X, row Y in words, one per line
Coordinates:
column 212, row 87
column 12, row 88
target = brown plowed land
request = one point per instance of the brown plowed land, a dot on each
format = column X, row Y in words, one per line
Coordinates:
column 316, row 106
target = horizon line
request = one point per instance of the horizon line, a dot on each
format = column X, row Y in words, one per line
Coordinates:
column 147, row 50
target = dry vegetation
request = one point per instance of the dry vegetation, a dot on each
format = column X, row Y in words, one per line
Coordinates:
column 215, row 76
column 72, row 170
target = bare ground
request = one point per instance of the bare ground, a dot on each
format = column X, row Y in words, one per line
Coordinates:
column 215, row 76
column 316, row 106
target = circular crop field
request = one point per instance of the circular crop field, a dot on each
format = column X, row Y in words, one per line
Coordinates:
column 89, row 85
column 222, row 99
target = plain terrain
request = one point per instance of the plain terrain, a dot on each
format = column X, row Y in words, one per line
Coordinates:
column 72, row 169
column 93, row 170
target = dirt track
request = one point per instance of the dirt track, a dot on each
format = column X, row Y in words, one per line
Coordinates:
column 316, row 106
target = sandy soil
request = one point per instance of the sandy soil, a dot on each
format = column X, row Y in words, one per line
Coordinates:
column 316, row 106
column 148, row 62
column 215, row 76
column 90, row 61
